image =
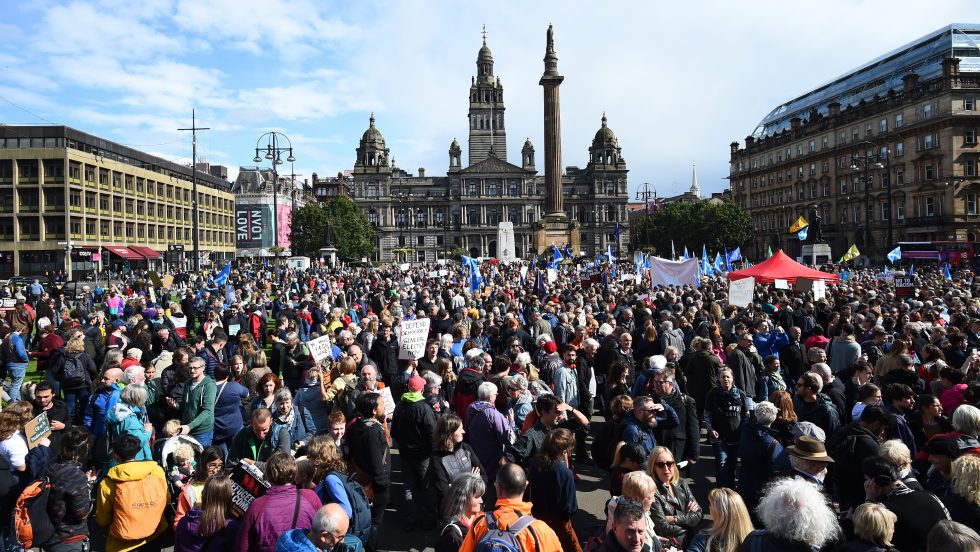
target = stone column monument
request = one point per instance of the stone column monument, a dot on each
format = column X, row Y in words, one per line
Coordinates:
column 555, row 227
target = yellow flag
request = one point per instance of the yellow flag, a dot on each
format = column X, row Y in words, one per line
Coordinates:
column 800, row 224
column 851, row 253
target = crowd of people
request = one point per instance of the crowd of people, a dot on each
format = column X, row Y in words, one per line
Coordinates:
column 847, row 421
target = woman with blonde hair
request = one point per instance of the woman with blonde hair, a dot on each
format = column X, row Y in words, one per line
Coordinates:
column 731, row 523
column 639, row 488
column 874, row 527
column 344, row 383
column 676, row 512
column 963, row 500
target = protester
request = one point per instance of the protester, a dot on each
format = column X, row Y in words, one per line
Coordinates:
column 675, row 510
column 132, row 498
column 796, row 516
column 284, row 506
column 730, row 523
column 209, row 526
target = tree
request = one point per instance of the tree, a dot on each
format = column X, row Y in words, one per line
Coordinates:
column 337, row 222
column 692, row 225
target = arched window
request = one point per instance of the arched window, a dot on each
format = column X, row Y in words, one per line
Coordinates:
column 473, row 216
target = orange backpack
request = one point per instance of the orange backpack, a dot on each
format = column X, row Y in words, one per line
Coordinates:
column 32, row 524
column 139, row 507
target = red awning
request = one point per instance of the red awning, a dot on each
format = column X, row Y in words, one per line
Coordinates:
column 781, row 267
column 148, row 253
column 124, row 252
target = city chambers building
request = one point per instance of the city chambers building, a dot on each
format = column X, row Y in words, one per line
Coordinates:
column 886, row 153
column 103, row 205
column 419, row 218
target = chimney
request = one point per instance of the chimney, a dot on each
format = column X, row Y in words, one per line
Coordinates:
column 951, row 66
column 833, row 109
column 734, row 146
column 795, row 123
column 749, row 141
column 909, row 82
column 421, row 172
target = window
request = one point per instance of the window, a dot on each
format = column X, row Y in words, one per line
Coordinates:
column 930, row 204
column 813, row 190
column 420, row 218
column 900, row 210
column 493, row 188
column 842, row 138
column 927, row 111
column 493, row 215
column 800, row 192
column 970, row 136
column 823, row 142
column 843, row 186
column 843, row 215
column 927, row 141
column 799, row 172
column 473, row 216
column 899, row 120
column 900, row 149
column 826, row 190
column 883, row 125
column 885, row 215
column 928, row 172
column 471, row 188
column 813, row 169
column 372, row 189
column 867, row 130
column 373, row 217
column 812, row 146
column 970, row 167
column 420, row 240
column 899, row 177
column 799, row 149
column 971, row 204
column 855, row 134
column 825, row 166
column 514, row 188
column 969, row 103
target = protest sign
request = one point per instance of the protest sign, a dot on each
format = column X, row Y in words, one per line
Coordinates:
column 247, row 484
column 741, row 292
column 155, row 278
column 389, row 401
column 904, row 286
column 168, row 281
column 414, row 334
column 404, row 267
column 781, row 284
column 552, row 275
column 319, row 348
column 819, row 289
column 803, row 285
column 37, row 429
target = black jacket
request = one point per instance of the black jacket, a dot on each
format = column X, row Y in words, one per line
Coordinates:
column 683, row 440
column 412, row 427
column 744, row 370
column 369, row 451
column 962, row 510
column 917, row 511
column 385, row 355
column 665, row 504
column 446, row 466
column 792, row 359
column 246, row 445
column 849, row 448
column 70, row 500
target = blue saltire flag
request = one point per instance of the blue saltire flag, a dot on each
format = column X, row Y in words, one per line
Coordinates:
column 895, row 254
column 728, row 260
column 886, row 271
column 686, row 254
column 556, row 259
column 616, row 234
column 736, row 255
column 222, row 276
column 567, row 252
column 705, row 261
column 539, row 283
column 845, row 275
column 802, row 233
column 718, row 267
column 946, row 273
column 911, row 270
column 534, row 261
column 646, row 261
column 609, row 254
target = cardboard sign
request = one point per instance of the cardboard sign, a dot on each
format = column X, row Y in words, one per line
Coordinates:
column 37, row 429
column 247, row 484
column 389, row 401
column 433, row 274
column 320, row 348
column 904, row 286
column 404, row 267
column 781, row 284
column 168, row 281
column 741, row 292
column 803, row 284
column 155, row 278
column 411, row 343
column 523, row 272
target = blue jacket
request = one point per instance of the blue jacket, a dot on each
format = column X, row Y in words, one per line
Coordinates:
column 296, row 428
column 98, row 406
column 316, row 411
column 901, row 429
column 229, row 416
column 20, row 356
column 295, row 540
column 770, row 343
column 642, row 434
column 130, row 419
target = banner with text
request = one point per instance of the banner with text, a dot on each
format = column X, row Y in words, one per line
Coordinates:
column 664, row 272
column 741, row 292
column 319, row 348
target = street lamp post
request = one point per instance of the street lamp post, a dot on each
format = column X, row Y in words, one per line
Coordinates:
column 273, row 151
column 871, row 160
column 644, row 194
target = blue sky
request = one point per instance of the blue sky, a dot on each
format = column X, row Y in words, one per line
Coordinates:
column 678, row 81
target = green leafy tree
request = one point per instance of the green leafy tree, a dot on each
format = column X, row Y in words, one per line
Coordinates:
column 349, row 230
column 692, row 225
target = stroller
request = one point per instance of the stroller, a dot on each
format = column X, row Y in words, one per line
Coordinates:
column 163, row 453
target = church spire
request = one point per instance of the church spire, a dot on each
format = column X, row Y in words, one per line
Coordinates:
column 695, row 189
column 488, row 134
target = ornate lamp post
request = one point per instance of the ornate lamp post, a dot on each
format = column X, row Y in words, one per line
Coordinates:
column 644, row 194
column 273, row 151
column 870, row 160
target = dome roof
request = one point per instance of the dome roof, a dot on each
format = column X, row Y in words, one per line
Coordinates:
column 484, row 54
column 372, row 134
column 605, row 136
column 528, row 144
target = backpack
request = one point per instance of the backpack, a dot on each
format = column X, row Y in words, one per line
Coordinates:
column 31, row 524
column 72, row 373
column 144, row 502
column 360, row 520
column 502, row 540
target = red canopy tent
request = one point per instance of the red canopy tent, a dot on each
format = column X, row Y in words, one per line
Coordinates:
column 781, row 267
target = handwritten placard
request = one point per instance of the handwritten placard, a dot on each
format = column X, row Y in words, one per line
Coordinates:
column 740, row 292
column 37, row 429
column 414, row 334
column 389, row 401
column 320, row 348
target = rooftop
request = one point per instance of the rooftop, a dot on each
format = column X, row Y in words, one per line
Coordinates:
column 923, row 57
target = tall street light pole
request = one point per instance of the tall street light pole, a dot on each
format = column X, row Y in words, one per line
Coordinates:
column 644, row 194
column 273, row 151
column 870, row 160
column 195, row 217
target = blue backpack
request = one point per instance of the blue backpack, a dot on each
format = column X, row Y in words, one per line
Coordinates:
column 360, row 519
column 502, row 540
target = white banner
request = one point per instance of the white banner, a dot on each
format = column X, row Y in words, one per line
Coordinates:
column 319, row 348
column 664, row 272
column 741, row 292
column 413, row 336
column 781, row 284
column 552, row 275
column 819, row 289
column 523, row 272
column 404, row 267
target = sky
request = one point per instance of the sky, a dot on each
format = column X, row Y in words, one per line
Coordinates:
column 678, row 81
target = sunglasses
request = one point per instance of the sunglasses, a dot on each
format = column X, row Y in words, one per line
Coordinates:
column 667, row 464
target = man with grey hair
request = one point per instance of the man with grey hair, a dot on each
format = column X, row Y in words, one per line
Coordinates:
column 328, row 530
column 832, row 387
column 758, row 450
column 669, row 337
column 796, row 516
column 488, row 429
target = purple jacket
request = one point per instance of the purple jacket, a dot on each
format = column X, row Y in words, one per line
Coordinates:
column 486, row 429
column 188, row 538
column 272, row 515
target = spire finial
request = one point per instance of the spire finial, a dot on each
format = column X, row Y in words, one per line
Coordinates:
column 372, row 119
column 484, row 34
column 603, row 119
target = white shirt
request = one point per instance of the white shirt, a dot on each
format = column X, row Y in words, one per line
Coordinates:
column 14, row 449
